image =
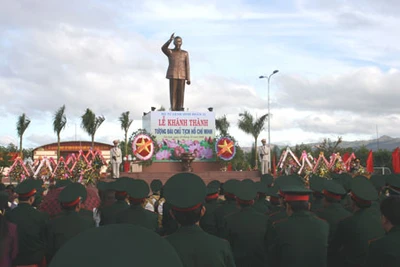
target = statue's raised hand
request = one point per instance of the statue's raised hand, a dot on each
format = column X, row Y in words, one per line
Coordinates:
column 172, row 36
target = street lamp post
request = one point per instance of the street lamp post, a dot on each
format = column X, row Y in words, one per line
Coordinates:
column 269, row 117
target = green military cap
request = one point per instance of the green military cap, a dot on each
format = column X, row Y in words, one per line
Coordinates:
column 156, row 185
column 296, row 193
column 138, row 189
column 81, row 189
column 362, row 190
column 102, row 186
column 333, row 189
column 70, row 196
column 212, row 189
column 214, row 183
column 121, row 184
column 316, row 183
column 212, row 192
column 39, row 186
column 267, row 178
column 185, row 191
column 63, row 182
column 26, row 188
column 246, row 190
column 346, row 180
column 393, row 181
column 230, row 186
column 293, row 179
column 88, row 248
column 378, row 181
column 273, row 191
column 262, row 187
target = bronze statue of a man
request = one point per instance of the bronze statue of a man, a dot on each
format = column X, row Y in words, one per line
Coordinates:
column 178, row 72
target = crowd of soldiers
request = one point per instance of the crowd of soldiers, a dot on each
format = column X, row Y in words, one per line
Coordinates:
column 284, row 221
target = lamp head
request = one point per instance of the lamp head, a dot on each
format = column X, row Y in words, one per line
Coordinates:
column 275, row 71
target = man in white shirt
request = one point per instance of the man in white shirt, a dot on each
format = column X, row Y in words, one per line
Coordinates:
column 264, row 151
column 116, row 159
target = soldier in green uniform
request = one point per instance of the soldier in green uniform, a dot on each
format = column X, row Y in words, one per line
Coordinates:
column 385, row 252
column 138, row 192
column 108, row 214
column 379, row 182
column 353, row 234
column 246, row 228
column 131, row 246
column 280, row 182
column 69, row 223
column 333, row 212
column 186, row 192
column 274, row 203
column 261, row 203
column 81, row 191
column 207, row 222
column 229, row 206
column 300, row 240
column 316, row 185
column 31, row 226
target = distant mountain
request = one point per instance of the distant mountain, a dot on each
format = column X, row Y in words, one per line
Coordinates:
column 383, row 142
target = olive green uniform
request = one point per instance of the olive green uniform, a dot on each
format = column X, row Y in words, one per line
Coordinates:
column 61, row 229
column 300, row 240
column 246, row 230
column 333, row 214
column 137, row 215
column 385, row 252
column 198, row 248
column 31, row 227
column 350, row 242
column 108, row 214
column 221, row 212
column 207, row 222
column 261, row 205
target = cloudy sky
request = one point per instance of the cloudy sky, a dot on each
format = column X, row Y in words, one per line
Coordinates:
column 338, row 64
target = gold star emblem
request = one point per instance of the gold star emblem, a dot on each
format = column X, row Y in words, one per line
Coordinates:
column 225, row 147
column 143, row 145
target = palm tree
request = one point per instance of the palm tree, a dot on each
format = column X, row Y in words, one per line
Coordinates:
column 22, row 124
column 90, row 123
column 222, row 125
column 254, row 127
column 125, row 124
column 59, row 123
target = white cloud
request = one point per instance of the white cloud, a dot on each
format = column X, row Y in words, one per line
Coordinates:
column 338, row 64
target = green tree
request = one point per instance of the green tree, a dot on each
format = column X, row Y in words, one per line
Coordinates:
column 329, row 147
column 222, row 125
column 253, row 126
column 59, row 123
column 22, row 124
column 90, row 123
column 125, row 124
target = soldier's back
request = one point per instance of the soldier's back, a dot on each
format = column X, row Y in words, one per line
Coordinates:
column 353, row 235
column 63, row 228
column 137, row 215
column 246, row 230
column 198, row 248
column 108, row 214
column 31, row 227
column 299, row 240
column 385, row 251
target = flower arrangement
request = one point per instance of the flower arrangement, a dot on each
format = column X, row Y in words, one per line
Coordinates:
column 171, row 149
